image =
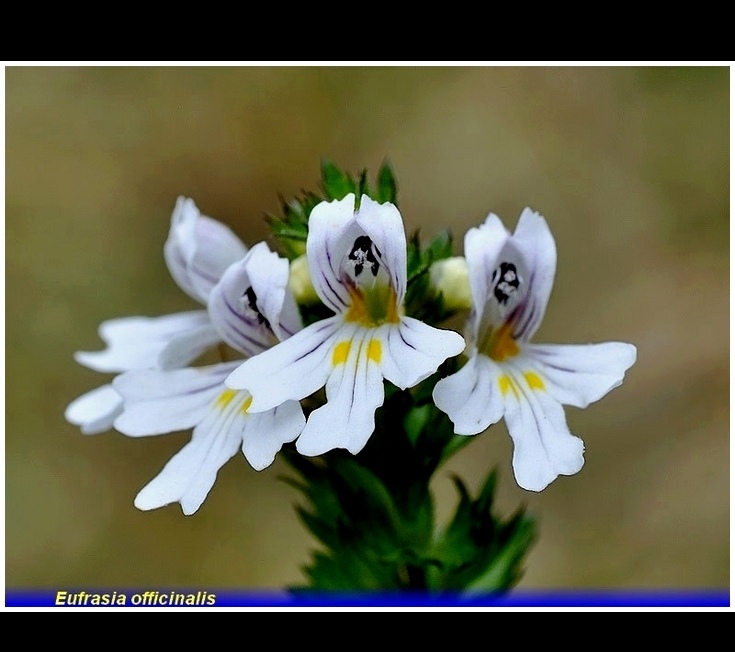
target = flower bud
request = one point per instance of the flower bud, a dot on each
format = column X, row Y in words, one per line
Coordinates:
column 299, row 282
column 449, row 277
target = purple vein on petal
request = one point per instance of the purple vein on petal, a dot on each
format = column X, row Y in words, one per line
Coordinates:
column 205, row 275
column 259, row 344
column 522, row 312
column 318, row 346
column 339, row 300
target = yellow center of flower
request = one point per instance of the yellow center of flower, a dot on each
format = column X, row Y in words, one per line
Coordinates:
column 500, row 345
column 373, row 306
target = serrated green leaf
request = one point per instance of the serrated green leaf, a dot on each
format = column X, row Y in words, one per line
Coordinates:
column 291, row 228
column 366, row 501
column 363, row 187
column 327, row 574
column 335, row 182
column 289, row 233
column 479, row 550
column 505, row 567
column 387, row 189
column 456, row 545
column 414, row 259
column 484, row 502
column 350, row 572
column 441, row 246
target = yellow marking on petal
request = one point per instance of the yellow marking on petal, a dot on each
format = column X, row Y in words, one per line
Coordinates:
column 506, row 384
column 246, row 405
column 225, row 398
column 534, row 380
column 340, row 353
column 502, row 344
column 375, row 351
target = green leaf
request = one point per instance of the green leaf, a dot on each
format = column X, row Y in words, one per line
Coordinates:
column 387, row 187
column 335, row 182
column 349, row 572
column 364, row 186
column 478, row 552
column 484, row 502
column 457, row 546
column 291, row 228
column 504, row 569
column 441, row 246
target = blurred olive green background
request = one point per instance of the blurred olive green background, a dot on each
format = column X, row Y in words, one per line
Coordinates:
column 630, row 166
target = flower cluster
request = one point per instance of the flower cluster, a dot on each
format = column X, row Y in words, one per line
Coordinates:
column 356, row 258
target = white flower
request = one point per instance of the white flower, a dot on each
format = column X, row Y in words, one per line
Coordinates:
column 197, row 252
column 357, row 261
column 251, row 310
column 511, row 278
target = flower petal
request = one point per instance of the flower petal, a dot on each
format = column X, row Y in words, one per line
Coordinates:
column 534, row 241
column 482, row 245
column 269, row 275
column 95, row 411
column 235, row 305
column 329, row 223
column 414, row 350
column 246, row 306
column 187, row 347
column 383, row 224
column 581, row 374
column 136, row 342
column 543, row 447
column 190, row 474
column 354, row 391
column 471, row 397
column 158, row 402
column 199, row 249
column 290, row 370
column 266, row 432
column 511, row 277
